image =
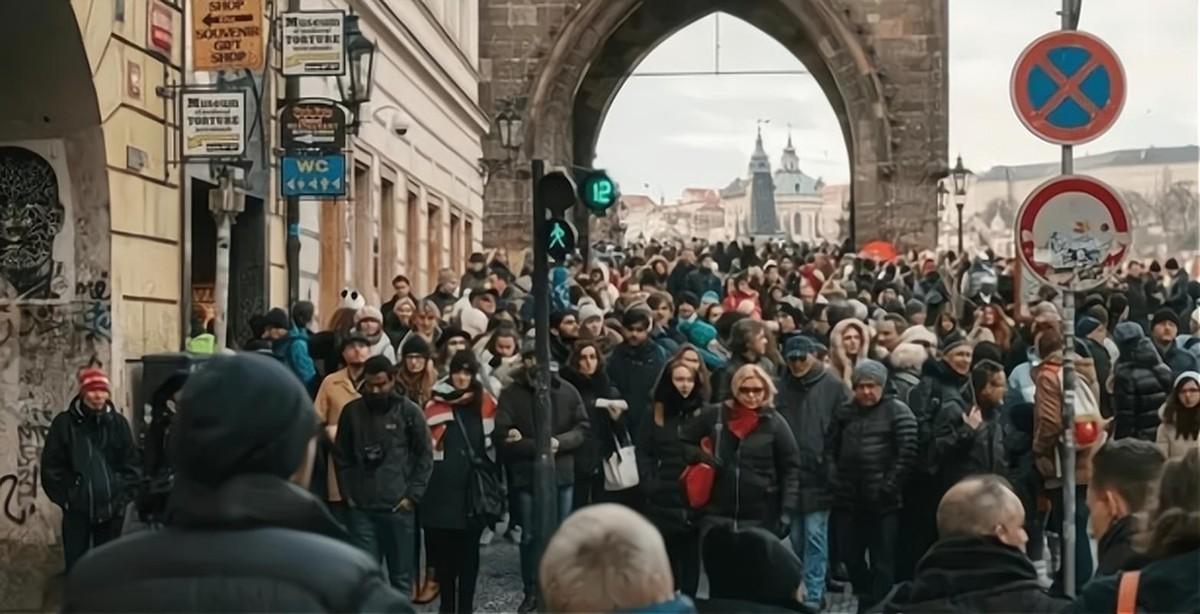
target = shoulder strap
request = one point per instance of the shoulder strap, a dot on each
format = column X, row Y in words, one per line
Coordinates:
column 466, row 437
column 1127, row 591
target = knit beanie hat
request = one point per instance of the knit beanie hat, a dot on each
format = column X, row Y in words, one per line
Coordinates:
column 464, row 360
column 912, row 308
column 1127, row 331
column 92, row 379
column 417, row 345
column 368, row 312
column 1086, row 326
column 589, row 311
column 869, row 370
column 689, row 298
column 241, row 414
column 709, row 298
column 473, row 321
column 1164, row 315
column 952, row 340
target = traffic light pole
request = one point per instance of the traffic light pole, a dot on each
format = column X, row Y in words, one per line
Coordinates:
column 545, row 512
column 291, row 92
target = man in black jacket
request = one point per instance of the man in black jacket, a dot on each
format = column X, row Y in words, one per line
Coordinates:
column 704, row 278
column 89, row 467
column 635, row 364
column 1141, row 383
column 1124, row 475
column 809, row 395
column 971, row 440
column 1164, row 328
column 870, row 449
column 384, row 457
column 978, row 564
column 241, row 536
column 515, row 440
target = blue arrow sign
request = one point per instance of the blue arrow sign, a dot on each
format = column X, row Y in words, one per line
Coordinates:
column 316, row 176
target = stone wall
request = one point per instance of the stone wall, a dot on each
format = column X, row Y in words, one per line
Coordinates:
column 882, row 63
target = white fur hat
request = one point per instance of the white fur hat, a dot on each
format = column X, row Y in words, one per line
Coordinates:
column 353, row 299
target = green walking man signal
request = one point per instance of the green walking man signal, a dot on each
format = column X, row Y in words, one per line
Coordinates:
column 559, row 239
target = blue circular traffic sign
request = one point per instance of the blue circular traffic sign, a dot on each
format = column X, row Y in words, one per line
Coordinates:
column 1068, row 87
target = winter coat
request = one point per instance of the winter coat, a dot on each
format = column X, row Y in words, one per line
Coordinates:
column 600, row 440
column 870, row 451
column 256, row 544
column 1173, row 446
column 1139, row 303
column 384, row 456
column 1104, row 371
column 444, row 505
column 941, row 391
column 475, row 281
column 634, row 371
column 515, row 410
column 1114, row 551
column 337, row 390
column 660, row 457
column 89, row 462
column 758, row 479
column 733, row 301
column 1166, row 585
column 962, row 450
column 972, row 574
column 1047, row 418
column 704, row 280
column 808, row 404
column 293, row 351
column 1179, row 359
column 677, row 279
column 1141, row 383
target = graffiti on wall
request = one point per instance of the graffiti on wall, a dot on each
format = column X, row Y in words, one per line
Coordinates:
column 55, row 315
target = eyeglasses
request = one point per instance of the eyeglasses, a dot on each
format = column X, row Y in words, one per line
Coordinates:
column 748, row 390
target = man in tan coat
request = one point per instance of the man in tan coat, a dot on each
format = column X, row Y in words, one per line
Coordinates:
column 1047, row 433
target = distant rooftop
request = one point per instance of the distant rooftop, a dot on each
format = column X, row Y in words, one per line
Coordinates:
column 1122, row 157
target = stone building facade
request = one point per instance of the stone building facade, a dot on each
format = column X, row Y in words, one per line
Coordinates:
column 881, row 63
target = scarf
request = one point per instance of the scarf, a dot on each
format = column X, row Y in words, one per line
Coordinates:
column 742, row 420
column 439, row 413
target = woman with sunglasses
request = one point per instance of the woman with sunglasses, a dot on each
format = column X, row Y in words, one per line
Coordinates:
column 754, row 453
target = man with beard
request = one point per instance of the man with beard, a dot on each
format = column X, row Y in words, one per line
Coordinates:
column 564, row 332
column 972, row 441
column 808, row 397
column 977, row 565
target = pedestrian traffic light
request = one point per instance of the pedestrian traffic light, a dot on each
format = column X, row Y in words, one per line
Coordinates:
column 559, row 239
column 598, row 192
column 557, row 191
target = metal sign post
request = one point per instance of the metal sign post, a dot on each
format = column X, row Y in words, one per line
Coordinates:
column 544, row 488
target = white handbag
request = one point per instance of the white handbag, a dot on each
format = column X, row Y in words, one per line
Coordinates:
column 620, row 468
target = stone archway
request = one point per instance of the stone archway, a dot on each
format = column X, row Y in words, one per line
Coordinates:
column 881, row 63
column 55, row 254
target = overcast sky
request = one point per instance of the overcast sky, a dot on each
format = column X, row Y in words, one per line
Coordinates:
column 676, row 132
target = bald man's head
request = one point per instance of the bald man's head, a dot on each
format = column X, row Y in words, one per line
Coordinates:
column 983, row 505
column 605, row 558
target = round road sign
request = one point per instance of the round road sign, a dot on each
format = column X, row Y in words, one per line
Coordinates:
column 1068, row 87
column 1072, row 232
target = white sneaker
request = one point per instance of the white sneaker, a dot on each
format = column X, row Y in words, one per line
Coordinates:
column 486, row 537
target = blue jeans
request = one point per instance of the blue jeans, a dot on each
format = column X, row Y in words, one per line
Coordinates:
column 389, row 537
column 810, row 541
column 529, row 555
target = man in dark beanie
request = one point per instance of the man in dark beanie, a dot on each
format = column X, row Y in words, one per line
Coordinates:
column 750, row 570
column 476, row 277
column 1164, row 328
column 384, row 457
column 243, row 533
column 871, row 449
column 914, row 312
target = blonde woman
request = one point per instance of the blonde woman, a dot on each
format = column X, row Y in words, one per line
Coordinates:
column 758, row 464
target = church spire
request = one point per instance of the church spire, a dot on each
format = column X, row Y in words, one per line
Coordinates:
column 790, row 161
column 759, row 161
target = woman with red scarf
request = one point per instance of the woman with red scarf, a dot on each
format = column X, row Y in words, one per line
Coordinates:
column 757, row 462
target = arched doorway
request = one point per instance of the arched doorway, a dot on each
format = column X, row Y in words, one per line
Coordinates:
column 55, row 251
column 881, row 64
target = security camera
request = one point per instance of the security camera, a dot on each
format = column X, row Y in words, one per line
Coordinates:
column 399, row 123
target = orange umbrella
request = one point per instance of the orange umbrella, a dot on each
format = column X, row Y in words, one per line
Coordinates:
column 878, row 250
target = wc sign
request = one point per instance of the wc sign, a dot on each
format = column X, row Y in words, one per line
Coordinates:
column 313, row 176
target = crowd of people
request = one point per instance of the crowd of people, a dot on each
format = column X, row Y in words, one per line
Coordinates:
column 774, row 418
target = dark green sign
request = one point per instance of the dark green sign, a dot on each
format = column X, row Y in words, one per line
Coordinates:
column 559, row 239
column 598, row 192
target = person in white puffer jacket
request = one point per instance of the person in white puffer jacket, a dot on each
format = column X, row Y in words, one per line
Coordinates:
column 369, row 322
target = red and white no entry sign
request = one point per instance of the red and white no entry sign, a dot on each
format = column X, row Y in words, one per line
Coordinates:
column 1072, row 232
column 1068, row 87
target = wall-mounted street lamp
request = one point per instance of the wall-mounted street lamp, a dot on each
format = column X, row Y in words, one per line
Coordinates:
column 358, row 82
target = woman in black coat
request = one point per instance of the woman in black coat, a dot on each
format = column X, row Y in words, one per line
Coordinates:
column 678, row 398
column 460, row 416
column 606, row 417
column 754, row 452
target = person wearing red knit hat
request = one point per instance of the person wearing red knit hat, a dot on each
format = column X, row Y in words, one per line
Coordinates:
column 88, row 466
